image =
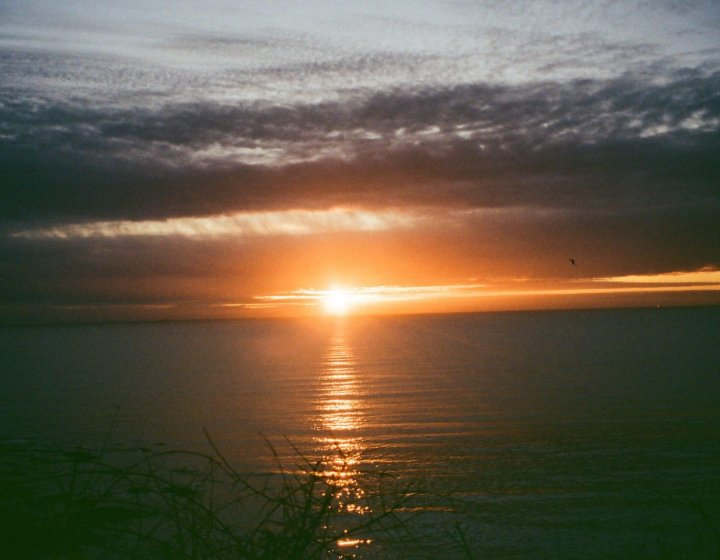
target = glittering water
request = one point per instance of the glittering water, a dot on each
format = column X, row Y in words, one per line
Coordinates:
column 588, row 434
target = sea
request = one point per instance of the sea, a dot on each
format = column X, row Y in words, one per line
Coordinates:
column 538, row 434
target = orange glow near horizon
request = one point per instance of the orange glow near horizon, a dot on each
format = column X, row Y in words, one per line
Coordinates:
column 381, row 300
column 703, row 276
column 502, row 294
column 348, row 300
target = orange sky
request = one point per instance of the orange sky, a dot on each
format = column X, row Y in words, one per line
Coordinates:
column 281, row 264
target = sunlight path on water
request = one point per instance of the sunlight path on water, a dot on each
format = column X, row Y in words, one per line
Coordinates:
column 339, row 416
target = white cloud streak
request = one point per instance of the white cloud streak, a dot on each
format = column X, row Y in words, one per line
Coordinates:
column 290, row 222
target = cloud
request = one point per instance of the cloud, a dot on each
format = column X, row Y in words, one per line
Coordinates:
column 704, row 276
column 290, row 222
column 632, row 142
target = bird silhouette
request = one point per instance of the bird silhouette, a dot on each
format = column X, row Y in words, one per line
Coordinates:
column 572, row 262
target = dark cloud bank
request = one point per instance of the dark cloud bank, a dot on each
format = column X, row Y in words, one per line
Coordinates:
column 626, row 143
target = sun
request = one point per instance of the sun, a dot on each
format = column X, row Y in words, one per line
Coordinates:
column 336, row 301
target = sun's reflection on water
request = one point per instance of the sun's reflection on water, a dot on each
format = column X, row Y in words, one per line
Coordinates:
column 340, row 415
column 339, row 397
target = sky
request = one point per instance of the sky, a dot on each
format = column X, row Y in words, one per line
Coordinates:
column 163, row 160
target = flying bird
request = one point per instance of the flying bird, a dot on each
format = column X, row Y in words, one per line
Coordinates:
column 572, row 262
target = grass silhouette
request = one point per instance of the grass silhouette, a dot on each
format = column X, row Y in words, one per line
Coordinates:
column 155, row 503
column 145, row 503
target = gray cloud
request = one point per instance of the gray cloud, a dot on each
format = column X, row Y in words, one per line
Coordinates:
column 635, row 141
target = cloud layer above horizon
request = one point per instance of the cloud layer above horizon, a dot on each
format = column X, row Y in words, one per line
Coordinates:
column 513, row 133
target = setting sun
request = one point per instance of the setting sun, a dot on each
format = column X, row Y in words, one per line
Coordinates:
column 336, row 301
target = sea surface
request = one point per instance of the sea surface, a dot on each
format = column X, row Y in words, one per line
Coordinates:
column 565, row 434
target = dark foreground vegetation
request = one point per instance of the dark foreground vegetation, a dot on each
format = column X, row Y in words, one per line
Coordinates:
column 153, row 503
column 118, row 503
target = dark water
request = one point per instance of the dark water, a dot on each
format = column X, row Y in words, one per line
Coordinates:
column 581, row 434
